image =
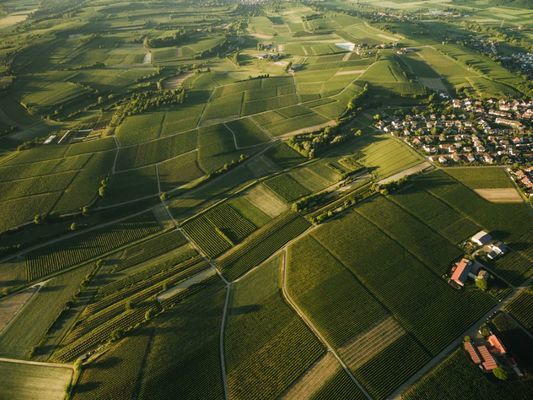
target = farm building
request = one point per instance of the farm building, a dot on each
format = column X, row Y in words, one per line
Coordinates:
column 496, row 250
column 461, row 271
column 489, row 363
column 472, row 353
column 496, row 345
column 481, row 238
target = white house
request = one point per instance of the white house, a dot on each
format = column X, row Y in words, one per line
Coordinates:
column 481, row 238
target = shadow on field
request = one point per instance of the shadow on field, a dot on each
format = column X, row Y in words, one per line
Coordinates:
column 250, row 308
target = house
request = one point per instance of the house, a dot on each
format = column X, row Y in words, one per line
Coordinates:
column 489, row 363
column 472, row 352
column 496, row 250
column 496, row 345
column 481, row 238
column 461, row 271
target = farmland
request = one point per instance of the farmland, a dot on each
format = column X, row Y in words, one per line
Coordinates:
column 262, row 199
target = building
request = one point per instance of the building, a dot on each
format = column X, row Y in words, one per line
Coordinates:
column 472, row 352
column 496, row 345
column 481, row 238
column 461, row 271
column 489, row 363
column 496, row 250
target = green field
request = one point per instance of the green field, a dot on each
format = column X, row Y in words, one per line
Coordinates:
column 22, row 381
column 267, row 345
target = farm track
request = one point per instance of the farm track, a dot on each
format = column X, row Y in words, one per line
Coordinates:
column 313, row 329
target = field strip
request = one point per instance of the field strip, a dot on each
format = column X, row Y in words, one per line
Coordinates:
column 37, row 363
column 347, row 56
column 310, row 325
column 367, row 345
column 313, row 379
column 406, row 172
column 503, row 195
column 308, row 129
column 187, row 283
column 12, row 305
column 158, row 162
column 350, row 72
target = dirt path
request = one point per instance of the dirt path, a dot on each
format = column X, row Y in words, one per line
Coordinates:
column 221, row 345
column 37, row 363
column 406, row 172
column 237, row 147
column 313, row 329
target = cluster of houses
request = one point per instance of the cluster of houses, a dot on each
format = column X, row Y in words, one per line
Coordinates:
column 473, row 132
column 486, row 352
column 519, row 61
column 466, row 269
column 523, row 176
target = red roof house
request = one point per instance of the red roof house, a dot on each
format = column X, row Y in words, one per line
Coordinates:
column 460, row 273
column 489, row 363
column 497, row 345
column 472, row 352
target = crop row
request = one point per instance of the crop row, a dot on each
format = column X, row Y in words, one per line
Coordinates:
column 89, row 245
column 521, row 308
column 262, row 246
column 286, row 187
column 430, row 247
column 206, row 237
column 229, row 221
column 339, row 387
column 147, row 272
column 122, row 304
column 390, row 368
column 179, row 270
column 151, row 248
column 102, row 333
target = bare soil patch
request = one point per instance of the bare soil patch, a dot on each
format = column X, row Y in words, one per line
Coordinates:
column 504, row 195
column 314, row 378
column 351, row 72
column 266, row 201
column 366, row 346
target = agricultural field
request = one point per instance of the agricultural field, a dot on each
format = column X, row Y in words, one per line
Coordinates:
column 25, row 382
column 247, row 200
column 263, row 331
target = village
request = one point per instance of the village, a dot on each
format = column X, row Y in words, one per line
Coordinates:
column 471, row 132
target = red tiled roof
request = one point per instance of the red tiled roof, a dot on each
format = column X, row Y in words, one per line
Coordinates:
column 497, row 344
column 489, row 363
column 457, row 275
column 472, row 352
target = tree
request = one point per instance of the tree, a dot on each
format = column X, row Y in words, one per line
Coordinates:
column 37, row 219
column 73, row 226
column 500, row 373
column 85, row 211
column 163, row 196
column 101, row 191
column 482, row 284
